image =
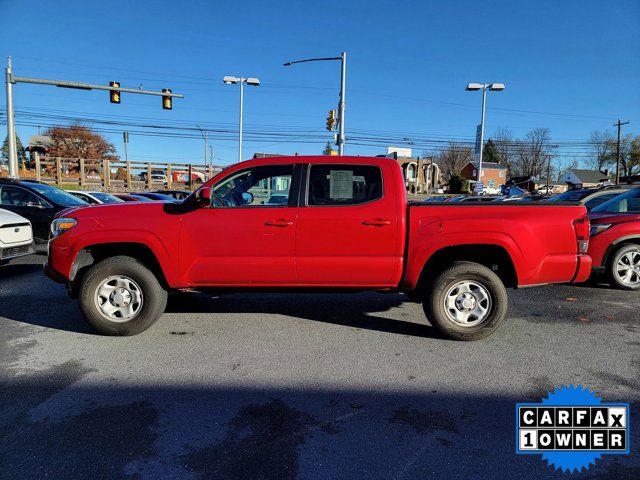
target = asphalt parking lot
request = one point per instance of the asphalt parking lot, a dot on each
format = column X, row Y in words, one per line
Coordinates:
column 310, row 386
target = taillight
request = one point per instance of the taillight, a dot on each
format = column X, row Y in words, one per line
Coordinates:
column 582, row 227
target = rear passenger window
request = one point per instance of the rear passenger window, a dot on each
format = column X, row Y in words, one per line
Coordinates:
column 344, row 184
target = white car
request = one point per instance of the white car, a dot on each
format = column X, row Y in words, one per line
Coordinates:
column 16, row 236
column 94, row 198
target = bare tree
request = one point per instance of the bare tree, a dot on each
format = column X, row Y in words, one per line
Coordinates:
column 452, row 159
column 503, row 141
column 629, row 155
column 603, row 154
column 532, row 153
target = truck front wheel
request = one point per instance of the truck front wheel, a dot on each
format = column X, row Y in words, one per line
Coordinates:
column 121, row 296
column 467, row 301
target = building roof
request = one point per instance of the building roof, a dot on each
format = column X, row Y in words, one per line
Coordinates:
column 489, row 166
column 493, row 165
column 589, row 176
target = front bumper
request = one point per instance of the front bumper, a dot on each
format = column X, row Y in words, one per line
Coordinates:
column 583, row 271
column 52, row 274
column 7, row 253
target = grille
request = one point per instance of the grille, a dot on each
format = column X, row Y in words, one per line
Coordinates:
column 15, row 251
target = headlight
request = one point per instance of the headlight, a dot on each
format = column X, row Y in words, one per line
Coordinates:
column 598, row 228
column 61, row 225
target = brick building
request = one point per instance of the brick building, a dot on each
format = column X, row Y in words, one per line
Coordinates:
column 494, row 175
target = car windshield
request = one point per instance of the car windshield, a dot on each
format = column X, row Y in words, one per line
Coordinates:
column 628, row 202
column 571, row 196
column 106, row 197
column 56, row 195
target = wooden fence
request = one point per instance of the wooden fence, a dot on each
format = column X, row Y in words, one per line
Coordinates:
column 130, row 175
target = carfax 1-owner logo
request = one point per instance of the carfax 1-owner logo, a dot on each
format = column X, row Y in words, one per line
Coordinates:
column 571, row 428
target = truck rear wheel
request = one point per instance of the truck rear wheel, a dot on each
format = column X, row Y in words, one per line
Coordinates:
column 121, row 296
column 467, row 301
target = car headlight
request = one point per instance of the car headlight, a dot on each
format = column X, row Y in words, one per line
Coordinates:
column 61, row 225
column 598, row 228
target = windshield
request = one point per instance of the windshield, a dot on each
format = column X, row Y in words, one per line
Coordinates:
column 628, row 202
column 570, row 196
column 106, row 198
column 57, row 196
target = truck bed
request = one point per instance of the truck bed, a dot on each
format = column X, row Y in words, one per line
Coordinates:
column 539, row 238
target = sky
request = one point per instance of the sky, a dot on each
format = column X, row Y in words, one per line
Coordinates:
column 570, row 66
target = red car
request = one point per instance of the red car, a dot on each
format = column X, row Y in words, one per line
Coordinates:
column 614, row 245
column 302, row 223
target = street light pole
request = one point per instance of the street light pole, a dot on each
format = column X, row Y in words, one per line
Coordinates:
column 241, row 81
column 343, row 91
column 343, row 87
column 484, row 103
column 484, row 87
column 11, row 128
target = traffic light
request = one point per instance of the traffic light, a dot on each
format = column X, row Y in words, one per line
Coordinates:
column 114, row 95
column 331, row 120
column 167, row 101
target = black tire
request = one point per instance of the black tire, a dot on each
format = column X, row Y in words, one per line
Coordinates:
column 612, row 276
column 154, row 297
column 436, row 295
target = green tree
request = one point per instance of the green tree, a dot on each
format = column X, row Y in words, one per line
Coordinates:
column 458, row 184
column 22, row 156
column 327, row 149
column 490, row 152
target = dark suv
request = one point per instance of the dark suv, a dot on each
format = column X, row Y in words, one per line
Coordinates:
column 38, row 202
column 590, row 197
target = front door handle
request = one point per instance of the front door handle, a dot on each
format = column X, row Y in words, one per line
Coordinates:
column 376, row 222
column 280, row 222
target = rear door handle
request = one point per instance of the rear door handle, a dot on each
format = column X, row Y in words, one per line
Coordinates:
column 376, row 222
column 280, row 222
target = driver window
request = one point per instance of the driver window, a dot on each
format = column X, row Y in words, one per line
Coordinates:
column 267, row 186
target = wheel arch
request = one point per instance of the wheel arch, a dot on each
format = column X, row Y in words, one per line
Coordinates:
column 616, row 245
column 494, row 257
column 92, row 254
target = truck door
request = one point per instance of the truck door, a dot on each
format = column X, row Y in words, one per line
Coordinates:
column 347, row 231
column 247, row 236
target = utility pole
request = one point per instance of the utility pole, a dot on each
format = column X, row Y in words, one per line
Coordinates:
column 125, row 140
column 619, row 125
column 211, row 155
column 205, row 137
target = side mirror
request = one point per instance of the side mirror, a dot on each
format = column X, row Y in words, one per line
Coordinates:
column 203, row 196
column 34, row 205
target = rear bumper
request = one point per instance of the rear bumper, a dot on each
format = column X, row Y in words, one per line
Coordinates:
column 583, row 271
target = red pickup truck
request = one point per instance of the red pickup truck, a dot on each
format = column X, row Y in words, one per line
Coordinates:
column 315, row 223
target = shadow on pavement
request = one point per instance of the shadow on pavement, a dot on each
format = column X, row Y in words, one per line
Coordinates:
column 52, row 308
column 346, row 309
column 51, row 427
